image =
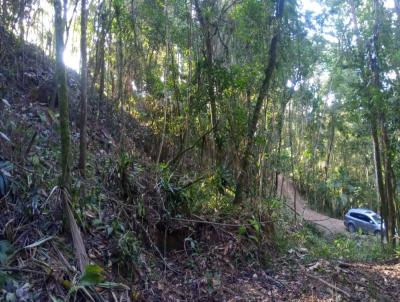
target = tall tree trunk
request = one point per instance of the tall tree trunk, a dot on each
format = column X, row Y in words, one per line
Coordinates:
column 330, row 147
column 205, row 26
column 21, row 15
column 4, row 14
column 389, row 182
column 99, row 54
column 188, row 111
column 120, row 67
column 263, row 151
column 290, row 129
column 279, row 129
column 62, row 94
column 83, row 117
column 260, row 99
column 379, row 114
column 165, row 92
column 378, row 171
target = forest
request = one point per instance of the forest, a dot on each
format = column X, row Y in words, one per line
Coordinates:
column 199, row 150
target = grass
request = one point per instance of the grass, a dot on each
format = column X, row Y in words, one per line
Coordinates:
column 349, row 247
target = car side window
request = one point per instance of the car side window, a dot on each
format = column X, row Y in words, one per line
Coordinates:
column 354, row 215
column 364, row 218
column 360, row 217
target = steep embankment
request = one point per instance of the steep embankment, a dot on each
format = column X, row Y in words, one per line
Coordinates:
column 295, row 200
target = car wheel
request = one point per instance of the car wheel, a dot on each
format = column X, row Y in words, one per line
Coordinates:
column 377, row 233
column 351, row 228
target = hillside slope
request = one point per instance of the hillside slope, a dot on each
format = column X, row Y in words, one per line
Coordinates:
column 139, row 251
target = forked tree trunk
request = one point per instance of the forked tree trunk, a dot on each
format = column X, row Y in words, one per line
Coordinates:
column 260, row 99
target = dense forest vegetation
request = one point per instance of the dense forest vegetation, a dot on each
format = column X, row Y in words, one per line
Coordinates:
column 131, row 130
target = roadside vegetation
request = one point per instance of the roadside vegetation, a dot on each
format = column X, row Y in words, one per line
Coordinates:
column 144, row 146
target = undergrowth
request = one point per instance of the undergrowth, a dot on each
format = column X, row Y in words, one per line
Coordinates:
column 349, row 247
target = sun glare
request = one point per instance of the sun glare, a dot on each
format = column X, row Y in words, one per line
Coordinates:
column 36, row 35
column 71, row 59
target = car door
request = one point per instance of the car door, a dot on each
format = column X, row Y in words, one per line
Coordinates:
column 371, row 225
column 356, row 220
column 365, row 223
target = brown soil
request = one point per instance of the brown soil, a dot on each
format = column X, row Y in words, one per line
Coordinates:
column 296, row 202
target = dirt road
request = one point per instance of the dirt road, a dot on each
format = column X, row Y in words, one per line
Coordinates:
column 288, row 191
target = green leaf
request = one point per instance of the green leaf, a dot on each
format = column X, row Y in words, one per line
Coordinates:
column 35, row 160
column 254, row 238
column 4, row 184
column 242, row 230
column 93, row 275
column 5, row 251
column 4, row 279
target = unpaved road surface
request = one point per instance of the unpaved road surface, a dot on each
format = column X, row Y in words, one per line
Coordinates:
column 288, row 191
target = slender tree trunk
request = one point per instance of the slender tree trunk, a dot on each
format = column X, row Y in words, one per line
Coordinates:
column 262, row 159
column 83, row 117
column 188, row 111
column 21, row 15
column 389, row 182
column 177, row 95
column 379, row 114
column 330, row 147
column 62, row 95
column 99, row 50
column 290, row 128
column 279, row 128
column 61, row 80
column 120, row 70
column 379, row 172
column 166, row 73
column 205, row 25
column 260, row 99
column 4, row 14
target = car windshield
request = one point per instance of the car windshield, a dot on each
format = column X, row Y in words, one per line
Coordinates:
column 377, row 218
